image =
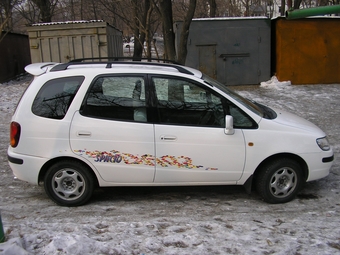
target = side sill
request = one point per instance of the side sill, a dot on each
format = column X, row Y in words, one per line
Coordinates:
column 17, row 161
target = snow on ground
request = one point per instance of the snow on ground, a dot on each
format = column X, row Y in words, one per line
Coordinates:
column 180, row 220
column 274, row 83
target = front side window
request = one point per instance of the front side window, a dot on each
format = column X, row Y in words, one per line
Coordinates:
column 185, row 103
column 56, row 96
column 116, row 97
column 248, row 104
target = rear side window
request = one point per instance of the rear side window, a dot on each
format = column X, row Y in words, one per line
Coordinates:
column 116, row 98
column 55, row 97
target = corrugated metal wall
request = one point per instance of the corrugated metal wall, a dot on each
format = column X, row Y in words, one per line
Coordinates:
column 308, row 50
column 14, row 55
column 62, row 42
column 235, row 51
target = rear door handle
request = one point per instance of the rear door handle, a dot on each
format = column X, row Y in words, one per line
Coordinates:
column 168, row 138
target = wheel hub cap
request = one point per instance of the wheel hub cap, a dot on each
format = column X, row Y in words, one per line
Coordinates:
column 283, row 182
column 68, row 184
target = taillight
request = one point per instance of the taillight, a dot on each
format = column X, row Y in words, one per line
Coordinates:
column 15, row 130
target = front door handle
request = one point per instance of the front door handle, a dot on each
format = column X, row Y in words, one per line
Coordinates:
column 84, row 133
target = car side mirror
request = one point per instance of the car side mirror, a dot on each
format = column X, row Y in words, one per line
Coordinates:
column 229, row 125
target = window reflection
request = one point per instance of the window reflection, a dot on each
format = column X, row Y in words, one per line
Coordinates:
column 56, row 96
column 120, row 98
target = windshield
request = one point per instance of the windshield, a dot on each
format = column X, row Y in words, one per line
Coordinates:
column 245, row 102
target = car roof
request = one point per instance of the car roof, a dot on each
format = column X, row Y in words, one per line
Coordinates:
column 41, row 68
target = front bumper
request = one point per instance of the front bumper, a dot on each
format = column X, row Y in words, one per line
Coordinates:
column 319, row 165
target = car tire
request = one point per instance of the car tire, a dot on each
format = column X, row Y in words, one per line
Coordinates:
column 279, row 181
column 69, row 183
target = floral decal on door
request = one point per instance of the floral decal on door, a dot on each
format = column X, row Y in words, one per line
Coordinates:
column 115, row 156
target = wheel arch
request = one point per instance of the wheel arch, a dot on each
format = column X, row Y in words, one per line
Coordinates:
column 294, row 157
column 53, row 161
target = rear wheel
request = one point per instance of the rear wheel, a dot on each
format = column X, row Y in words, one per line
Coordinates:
column 69, row 183
column 279, row 181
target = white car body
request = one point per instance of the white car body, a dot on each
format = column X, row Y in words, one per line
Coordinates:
column 126, row 153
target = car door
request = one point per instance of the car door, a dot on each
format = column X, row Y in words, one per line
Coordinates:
column 191, row 145
column 112, row 132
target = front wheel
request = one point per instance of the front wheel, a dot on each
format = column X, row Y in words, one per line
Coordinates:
column 69, row 183
column 279, row 181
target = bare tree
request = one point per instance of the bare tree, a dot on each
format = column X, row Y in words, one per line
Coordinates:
column 74, row 9
column 165, row 10
column 3, row 33
column 80, row 9
column 29, row 11
column 182, row 48
column 6, row 8
column 324, row 2
column 230, row 8
column 212, row 8
column 148, row 35
column 139, row 19
column 139, row 29
column 297, row 4
column 246, row 4
column 46, row 8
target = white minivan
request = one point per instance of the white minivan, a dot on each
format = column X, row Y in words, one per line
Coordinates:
column 82, row 125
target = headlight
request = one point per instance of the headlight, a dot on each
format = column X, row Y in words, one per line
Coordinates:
column 323, row 144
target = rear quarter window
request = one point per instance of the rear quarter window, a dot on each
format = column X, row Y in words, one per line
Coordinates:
column 55, row 97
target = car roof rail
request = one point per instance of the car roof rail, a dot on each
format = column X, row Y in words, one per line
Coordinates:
column 128, row 58
column 120, row 60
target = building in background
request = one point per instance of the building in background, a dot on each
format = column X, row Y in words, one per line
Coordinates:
column 14, row 55
column 65, row 41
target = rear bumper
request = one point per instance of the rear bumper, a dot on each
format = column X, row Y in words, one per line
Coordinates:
column 13, row 160
column 24, row 167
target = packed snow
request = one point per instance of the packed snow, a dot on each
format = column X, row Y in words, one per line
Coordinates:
column 274, row 83
column 180, row 220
